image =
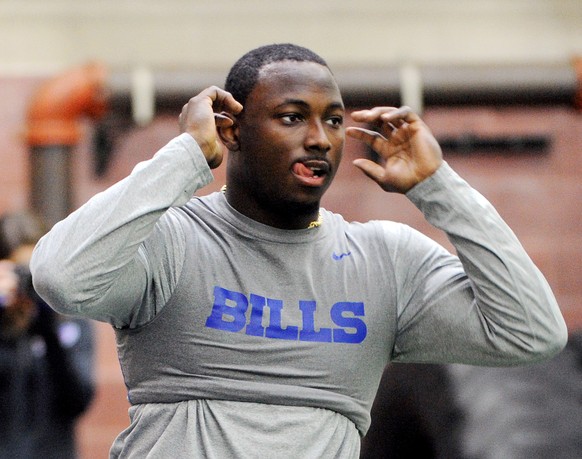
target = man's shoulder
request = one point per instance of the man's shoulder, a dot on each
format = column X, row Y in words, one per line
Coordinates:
column 370, row 229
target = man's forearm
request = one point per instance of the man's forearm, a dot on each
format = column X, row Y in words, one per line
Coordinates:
column 76, row 264
column 513, row 297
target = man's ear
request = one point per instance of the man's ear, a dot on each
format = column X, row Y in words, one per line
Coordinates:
column 229, row 134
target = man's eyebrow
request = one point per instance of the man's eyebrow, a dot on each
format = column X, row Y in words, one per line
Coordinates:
column 302, row 103
column 298, row 102
column 337, row 105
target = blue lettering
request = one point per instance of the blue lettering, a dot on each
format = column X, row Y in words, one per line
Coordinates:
column 308, row 332
column 255, row 326
column 274, row 329
column 223, row 310
column 229, row 313
column 337, row 315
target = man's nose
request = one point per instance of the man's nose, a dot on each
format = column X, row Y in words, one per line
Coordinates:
column 317, row 137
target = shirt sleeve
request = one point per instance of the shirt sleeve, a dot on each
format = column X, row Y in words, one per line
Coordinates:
column 94, row 264
column 489, row 305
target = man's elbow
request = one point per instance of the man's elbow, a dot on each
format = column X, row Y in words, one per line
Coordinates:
column 51, row 285
column 557, row 340
column 547, row 344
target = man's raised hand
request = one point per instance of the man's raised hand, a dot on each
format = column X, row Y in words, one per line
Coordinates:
column 409, row 151
column 202, row 114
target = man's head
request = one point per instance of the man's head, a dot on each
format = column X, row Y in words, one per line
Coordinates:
column 244, row 74
column 286, row 144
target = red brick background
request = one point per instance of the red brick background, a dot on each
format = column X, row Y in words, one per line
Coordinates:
column 539, row 195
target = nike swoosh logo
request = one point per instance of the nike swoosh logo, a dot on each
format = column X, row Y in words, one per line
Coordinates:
column 340, row 256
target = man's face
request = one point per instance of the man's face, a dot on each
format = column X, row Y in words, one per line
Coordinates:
column 291, row 135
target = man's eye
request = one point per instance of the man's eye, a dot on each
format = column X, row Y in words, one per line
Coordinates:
column 336, row 121
column 291, row 118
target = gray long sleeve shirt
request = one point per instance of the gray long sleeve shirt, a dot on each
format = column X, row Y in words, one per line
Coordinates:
column 241, row 340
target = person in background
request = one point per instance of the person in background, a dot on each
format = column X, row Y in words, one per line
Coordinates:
column 46, row 360
column 529, row 412
column 470, row 412
column 414, row 415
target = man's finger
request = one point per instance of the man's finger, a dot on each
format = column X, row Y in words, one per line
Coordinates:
column 375, row 140
column 371, row 115
column 370, row 168
column 223, row 119
column 365, row 135
column 223, row 100
column 400, row 116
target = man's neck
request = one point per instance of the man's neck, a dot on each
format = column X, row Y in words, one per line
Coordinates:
column 283, row 218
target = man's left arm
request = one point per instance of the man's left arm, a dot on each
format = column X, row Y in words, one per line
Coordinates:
column 497, row 308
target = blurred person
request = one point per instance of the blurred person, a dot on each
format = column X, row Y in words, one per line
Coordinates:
column 530, row 412
column 471, row 412
column 414, row 415
column 46, row 361
column 252, row 322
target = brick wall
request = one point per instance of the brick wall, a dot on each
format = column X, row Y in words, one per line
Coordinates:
column 539, row 195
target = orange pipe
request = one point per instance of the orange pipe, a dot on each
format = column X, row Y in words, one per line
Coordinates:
column 54, row 114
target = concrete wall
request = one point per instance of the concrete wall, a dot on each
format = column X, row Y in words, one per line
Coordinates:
column 40, row 36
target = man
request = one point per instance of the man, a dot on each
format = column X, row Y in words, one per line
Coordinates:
column 252, row 322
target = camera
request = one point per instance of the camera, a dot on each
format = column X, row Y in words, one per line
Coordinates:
column 24, row 285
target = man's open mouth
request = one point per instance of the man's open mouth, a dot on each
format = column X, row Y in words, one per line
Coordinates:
column 311, row 171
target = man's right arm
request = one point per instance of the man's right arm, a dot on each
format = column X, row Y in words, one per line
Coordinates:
column 91, row 264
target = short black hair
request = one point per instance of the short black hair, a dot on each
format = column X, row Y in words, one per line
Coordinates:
column 244, row 74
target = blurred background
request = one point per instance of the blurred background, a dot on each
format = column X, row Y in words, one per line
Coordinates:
column 89, row 89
